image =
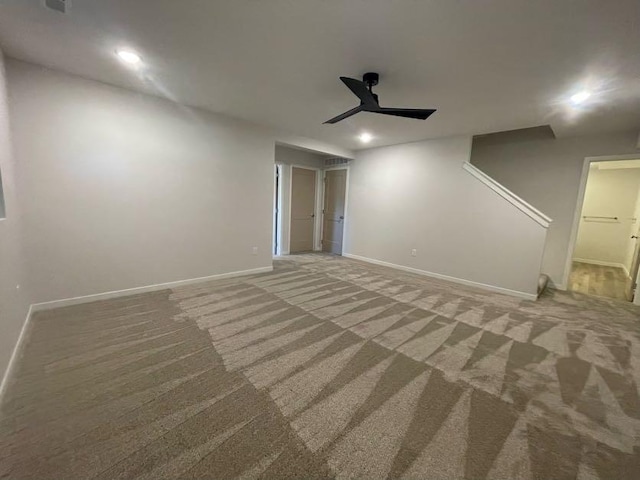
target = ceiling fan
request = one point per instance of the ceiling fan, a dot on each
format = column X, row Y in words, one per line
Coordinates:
column 369, row 101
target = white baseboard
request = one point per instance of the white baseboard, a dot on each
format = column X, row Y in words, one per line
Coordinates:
column 36, row 307
column 14, row 356
column 604, row 264
column 484, row 286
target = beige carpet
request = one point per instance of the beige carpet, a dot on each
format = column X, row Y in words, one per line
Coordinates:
column 327, row 368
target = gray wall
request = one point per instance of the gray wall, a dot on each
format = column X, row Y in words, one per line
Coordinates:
column 121, row 190
column 417, row 196
column 546, row 173
column 14, row 301
column 287, row 157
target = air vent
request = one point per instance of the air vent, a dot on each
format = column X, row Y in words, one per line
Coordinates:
column 334, row 161
column 61, row 6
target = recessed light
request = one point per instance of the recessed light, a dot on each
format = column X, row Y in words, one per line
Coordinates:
column 365, row 137
column 129, row 57
column 580, row 97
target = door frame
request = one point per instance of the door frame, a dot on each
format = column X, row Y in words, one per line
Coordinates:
column 346, row 205
column 578, row 211
column 277, row 216
column 317, row 207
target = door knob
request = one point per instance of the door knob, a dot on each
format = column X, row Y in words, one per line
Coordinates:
column 634, row 236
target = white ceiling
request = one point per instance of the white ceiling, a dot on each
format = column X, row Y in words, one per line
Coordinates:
column 486, row 65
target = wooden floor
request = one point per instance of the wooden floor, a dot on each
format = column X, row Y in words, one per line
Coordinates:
column 598, row 280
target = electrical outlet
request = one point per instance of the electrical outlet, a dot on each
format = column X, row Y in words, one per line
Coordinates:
column 414, row 252
column 255, row 250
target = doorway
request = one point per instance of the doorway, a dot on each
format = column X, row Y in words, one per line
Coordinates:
column 335, row 185
column 606, row 255
column 303, row 208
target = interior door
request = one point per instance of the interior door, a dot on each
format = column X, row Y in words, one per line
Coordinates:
column 335, row 185
column 303, row 206
column 635, row 268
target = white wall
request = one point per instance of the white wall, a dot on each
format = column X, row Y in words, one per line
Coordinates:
column 14, row 301
column 609, row 193
column 417, row 196
column 121, row 190
column 546, row 173
column 288, row 157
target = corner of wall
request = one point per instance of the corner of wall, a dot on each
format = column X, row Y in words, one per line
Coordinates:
column 14, row 287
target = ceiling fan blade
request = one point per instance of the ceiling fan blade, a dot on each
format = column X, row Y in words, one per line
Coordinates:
column 417, row 113
column 360, row 90
column 346, row 114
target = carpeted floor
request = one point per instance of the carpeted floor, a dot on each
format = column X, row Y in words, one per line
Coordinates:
column 327, row 368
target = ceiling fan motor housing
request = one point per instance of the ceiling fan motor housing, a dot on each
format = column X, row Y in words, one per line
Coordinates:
column 371, row 79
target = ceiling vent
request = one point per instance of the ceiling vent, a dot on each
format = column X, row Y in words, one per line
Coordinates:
column 335, row 161
column 61, row 6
